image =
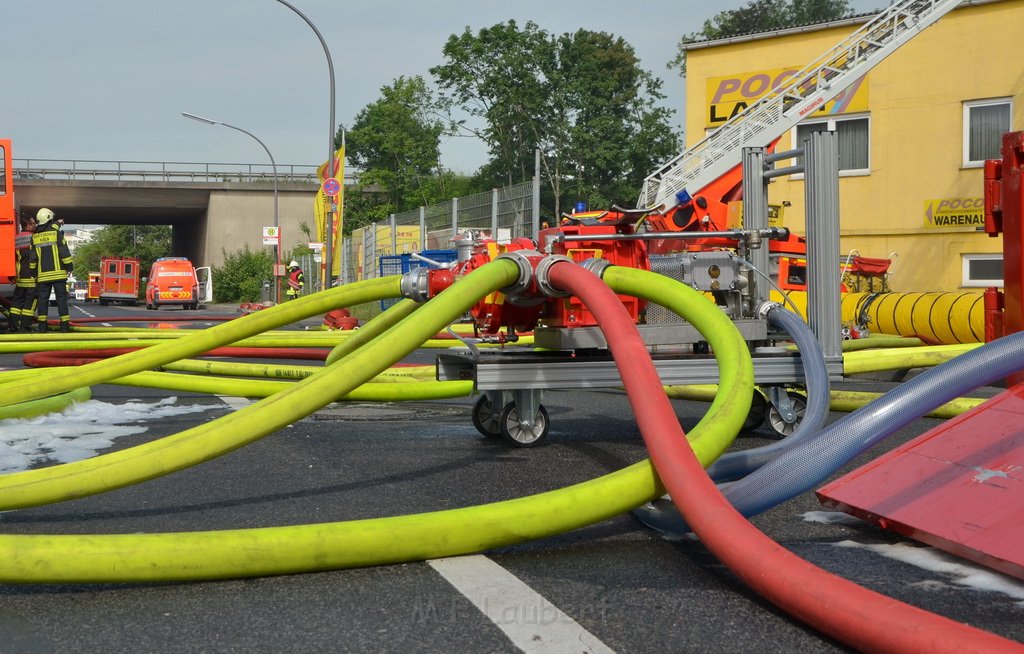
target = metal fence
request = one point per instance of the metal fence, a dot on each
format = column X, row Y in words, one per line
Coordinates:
column 502, row 214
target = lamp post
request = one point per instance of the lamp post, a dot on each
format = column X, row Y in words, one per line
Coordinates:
column 329, row 227
column 273, row 164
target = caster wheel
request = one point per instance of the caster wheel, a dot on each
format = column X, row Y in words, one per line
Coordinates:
column 485, row 419
column 524, row 436
column 779, row 425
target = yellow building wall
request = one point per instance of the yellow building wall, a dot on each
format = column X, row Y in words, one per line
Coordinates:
column 915, row 106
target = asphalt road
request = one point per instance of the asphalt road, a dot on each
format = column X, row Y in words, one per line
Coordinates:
column 614, row 585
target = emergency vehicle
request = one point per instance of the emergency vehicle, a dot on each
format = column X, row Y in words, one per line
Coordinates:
column 174, row 280
column 119, row 280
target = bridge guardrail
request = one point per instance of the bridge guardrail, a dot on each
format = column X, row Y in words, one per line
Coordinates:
column 166, row 171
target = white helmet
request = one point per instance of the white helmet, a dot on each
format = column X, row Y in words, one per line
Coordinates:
column 293, row 264
column 43, row 216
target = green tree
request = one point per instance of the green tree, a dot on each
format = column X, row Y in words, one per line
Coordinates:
column 146, row 242
column 615, row 133
column 499, row 76
column 760, row 16
column 241, row 277
column 395, row 141
column 580, row 98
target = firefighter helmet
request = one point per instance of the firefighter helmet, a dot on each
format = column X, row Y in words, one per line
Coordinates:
column 43, row 216
column 293, row 264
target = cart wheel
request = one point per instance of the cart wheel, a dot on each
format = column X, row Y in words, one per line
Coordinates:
column 519, row 435
column 776, row 421
column 486, row 421
column 757, row 413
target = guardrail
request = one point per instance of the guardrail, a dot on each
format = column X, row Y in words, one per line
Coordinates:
column 166, row 171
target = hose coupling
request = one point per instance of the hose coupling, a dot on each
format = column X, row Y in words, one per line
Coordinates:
column 544, row 275
column 422, row 284
column 522, row 259
column 597, row 265
column 765, row 308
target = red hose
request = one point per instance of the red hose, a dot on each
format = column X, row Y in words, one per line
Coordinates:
column 163, row 317
column 835, row 606
column 53, row 358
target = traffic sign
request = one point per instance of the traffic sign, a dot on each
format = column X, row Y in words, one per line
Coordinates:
column 331, row 186
column 271, row 235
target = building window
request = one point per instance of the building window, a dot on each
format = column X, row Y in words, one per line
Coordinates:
column 982, row 270
column 985, row 122
column 854, row 141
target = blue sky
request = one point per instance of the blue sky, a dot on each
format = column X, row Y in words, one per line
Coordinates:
column 108, row 79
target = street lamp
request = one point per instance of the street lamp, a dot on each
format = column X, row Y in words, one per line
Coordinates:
column 277, row 250
column 329, row 227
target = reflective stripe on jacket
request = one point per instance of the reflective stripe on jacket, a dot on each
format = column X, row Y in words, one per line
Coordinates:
column 53, row 258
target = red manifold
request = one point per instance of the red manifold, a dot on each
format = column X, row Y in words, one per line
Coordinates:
column 517, row 307
column 522, row 305
column 569, row 311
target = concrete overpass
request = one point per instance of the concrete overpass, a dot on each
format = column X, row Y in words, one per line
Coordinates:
column 210, row 211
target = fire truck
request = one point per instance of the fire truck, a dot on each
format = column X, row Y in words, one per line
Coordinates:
column 8, row 213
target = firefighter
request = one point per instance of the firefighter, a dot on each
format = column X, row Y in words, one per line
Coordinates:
column 296, row 280
column 53, row 264
column 23, row 304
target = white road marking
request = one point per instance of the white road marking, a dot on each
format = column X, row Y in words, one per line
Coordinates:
column 530, row 621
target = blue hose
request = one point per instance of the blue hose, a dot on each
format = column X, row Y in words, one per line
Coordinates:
column 735, row 465
column 808, row 464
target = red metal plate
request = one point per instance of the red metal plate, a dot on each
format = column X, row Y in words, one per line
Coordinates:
column 958, row 487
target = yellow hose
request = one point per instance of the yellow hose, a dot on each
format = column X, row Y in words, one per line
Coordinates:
column 937, row 317
column 187, row 448
column 844, row 401
column 281, row 550
column 902, row 358
column 41, row 407
column 197, row 342
column 409, row 390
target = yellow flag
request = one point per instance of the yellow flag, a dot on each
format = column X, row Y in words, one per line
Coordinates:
column 322, row 206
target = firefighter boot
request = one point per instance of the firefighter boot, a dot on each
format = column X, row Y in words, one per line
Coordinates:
column 41, row 326
column 65, row 326
column 14, row 323
column 27, row 323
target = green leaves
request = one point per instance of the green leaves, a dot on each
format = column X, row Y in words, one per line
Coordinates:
column 146, row 242
column 395, row 140
column 580, row 98
column 761, row 16
column 240, row 278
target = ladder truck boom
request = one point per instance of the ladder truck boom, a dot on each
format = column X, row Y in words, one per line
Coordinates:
column 711, row 166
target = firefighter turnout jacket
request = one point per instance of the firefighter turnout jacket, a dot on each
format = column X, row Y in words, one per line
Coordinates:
column 53, row 258
column 24, row 260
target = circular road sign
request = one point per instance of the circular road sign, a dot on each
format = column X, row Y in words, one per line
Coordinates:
column 331, row 186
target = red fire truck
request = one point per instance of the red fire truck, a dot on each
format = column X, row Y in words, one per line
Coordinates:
column 8, row 213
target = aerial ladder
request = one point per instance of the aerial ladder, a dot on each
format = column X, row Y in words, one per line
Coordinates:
column 691, row 191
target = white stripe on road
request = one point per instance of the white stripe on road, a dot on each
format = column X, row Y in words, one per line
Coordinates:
column 530, row 621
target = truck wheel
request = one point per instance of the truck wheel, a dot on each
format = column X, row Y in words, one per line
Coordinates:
column 103, row 302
